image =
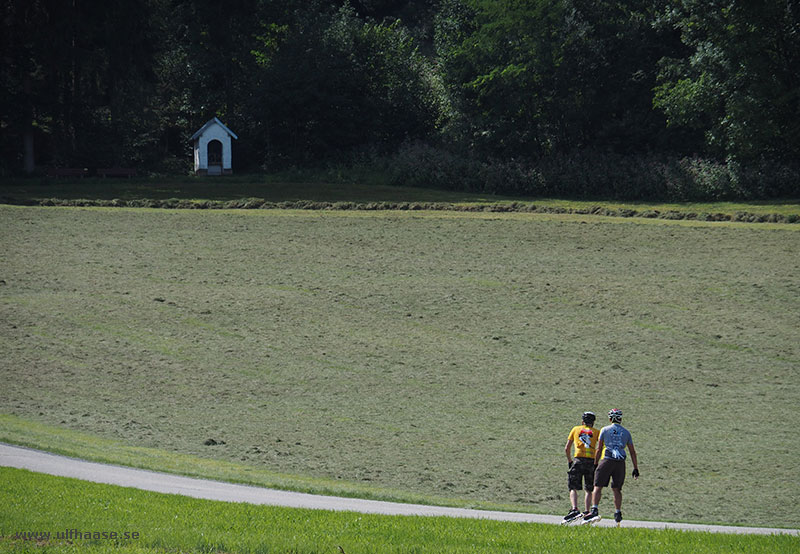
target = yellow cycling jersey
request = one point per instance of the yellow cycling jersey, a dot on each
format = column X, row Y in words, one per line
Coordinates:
column 584, row 440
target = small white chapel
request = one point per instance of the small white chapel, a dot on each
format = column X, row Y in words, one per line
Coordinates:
column 212, row 149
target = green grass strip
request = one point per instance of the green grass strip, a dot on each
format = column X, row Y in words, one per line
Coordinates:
column 70, row 511
column 252, row 192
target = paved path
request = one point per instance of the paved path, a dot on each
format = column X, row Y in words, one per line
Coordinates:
column 53, row 464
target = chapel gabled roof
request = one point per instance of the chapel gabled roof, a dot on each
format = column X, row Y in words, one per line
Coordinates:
column 210, row 122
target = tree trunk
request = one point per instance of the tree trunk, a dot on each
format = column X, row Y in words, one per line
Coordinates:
column 27, row 151
column 28, row 159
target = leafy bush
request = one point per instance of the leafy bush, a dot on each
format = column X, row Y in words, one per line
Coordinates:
column 593, row 174
column 421, row 165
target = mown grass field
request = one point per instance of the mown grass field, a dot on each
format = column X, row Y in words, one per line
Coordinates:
column 165, row 523
column 436, row 354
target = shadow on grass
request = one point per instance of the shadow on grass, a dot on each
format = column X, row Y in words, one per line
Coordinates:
column 222, row 189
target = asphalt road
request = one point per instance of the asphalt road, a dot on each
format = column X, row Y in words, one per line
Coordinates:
column 53, row 464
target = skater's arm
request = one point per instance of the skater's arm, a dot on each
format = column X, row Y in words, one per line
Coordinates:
column 599, row 451
column 568, row 451
column 633, row 457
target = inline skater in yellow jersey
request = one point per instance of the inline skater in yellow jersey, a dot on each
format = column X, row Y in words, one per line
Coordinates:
column 583, row 439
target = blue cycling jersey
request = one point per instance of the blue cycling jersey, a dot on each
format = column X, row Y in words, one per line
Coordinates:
column 615, row 438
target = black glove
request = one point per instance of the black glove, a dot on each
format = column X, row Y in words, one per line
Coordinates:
column 569, row 464
column 635, row 472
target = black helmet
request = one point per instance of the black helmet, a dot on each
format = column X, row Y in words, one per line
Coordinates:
column 588, row 418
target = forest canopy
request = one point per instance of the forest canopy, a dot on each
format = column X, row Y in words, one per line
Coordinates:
column 526, row 95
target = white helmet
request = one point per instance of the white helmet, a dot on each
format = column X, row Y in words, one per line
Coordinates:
column 615, row 415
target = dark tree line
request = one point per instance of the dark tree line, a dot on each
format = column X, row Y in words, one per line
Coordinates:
column 126, row 82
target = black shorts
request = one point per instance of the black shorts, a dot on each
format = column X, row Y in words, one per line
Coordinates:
column 582, row 470
column 613, row 470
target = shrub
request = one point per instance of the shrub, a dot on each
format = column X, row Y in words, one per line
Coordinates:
column 593, row 174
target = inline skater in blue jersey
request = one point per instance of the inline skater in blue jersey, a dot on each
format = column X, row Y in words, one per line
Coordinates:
column 610, row 460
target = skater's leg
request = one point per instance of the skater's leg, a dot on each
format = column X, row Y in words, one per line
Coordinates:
column 617, row 498
column 573, row 498
column 598, row 494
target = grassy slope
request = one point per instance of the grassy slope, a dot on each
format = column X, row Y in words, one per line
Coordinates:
column 166, row 523
column 77, row 444
column 442, row 354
